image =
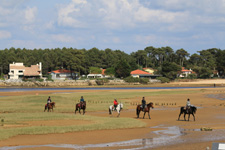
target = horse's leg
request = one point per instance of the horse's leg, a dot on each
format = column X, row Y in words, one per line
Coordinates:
column 144, row 115
column 179, row 116
column 149, row 115
column 184, row 116
column 118, row 113
column 193, row 116
column 79, row 111
column 188, row 117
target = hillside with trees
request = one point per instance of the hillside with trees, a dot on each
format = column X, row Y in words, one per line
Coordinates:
column 165, row 60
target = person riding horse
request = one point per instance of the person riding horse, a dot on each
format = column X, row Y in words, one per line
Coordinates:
column 115, row 104
column 49, row 101
column 188, row 104
column 143, row 103
column 81, row 101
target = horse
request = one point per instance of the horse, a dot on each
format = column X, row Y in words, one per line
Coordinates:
column 192, row 111
column 146, row 109
column 50, row 106
column 80, row 106
column 118, row 109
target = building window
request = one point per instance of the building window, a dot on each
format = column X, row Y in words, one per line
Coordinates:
column 12, row 71
column 20, row 71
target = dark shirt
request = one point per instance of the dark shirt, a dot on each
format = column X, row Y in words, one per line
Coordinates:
column 81, row 100
column 143, row 102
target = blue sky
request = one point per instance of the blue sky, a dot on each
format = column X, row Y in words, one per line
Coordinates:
column 126, row 25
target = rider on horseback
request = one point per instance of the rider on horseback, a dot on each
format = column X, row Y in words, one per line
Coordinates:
column 188, row 105
column 143, row 103
column 49, row 101
column 115, row 104
column 81, row 101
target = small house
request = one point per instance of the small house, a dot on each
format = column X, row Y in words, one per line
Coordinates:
column 63, row 74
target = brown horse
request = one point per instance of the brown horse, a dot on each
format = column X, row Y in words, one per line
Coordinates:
column 146, row 109
column 50, row 106
column 80, row 106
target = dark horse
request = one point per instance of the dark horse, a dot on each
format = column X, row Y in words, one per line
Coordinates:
column 80, row 106
column 146, row 109
column 192, row 111
column 50, row 106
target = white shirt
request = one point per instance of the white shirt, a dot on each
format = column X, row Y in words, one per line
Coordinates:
column 188, row 103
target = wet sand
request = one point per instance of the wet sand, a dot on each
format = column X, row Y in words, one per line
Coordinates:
column 163, row 130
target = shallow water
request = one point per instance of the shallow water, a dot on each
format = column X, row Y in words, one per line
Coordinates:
column 105, row 88
column 217, row 96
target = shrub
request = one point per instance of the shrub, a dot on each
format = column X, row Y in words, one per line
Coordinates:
column 40, row 80
column 101, row 81
column 192, row 76
column 131, row 79
column 163, row 79
column 144, row 80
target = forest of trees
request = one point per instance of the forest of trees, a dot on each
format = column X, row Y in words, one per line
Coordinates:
column 164, row 59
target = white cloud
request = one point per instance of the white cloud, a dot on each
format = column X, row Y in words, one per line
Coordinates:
column 63, row 38
column 30, row 14
column 66, row 13
column 5, row 34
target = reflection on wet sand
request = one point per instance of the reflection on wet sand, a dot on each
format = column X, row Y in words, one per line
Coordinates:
column 168, row 136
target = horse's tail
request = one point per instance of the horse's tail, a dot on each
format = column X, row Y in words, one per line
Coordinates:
column 110, row 111
column 137, row 111
column 181, row 110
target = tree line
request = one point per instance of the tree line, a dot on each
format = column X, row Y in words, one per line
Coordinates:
column 164, row 59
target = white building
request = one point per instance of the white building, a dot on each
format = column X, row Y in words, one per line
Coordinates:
column 62, row 74
column 19, row 71
column 98, row 75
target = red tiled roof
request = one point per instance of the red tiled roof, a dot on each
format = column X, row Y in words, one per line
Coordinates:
column 185, row 70
column 139, row 72
column 61, row 71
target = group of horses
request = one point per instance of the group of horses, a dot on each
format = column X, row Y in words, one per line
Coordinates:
column 79, row 106
column 82, row 106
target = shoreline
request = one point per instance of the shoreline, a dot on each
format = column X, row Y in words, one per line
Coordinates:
column 85, row 84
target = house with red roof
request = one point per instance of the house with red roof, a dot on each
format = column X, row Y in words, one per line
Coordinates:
column 62, row 74
column 19, row 71
column 185, row 72
column 142, row 74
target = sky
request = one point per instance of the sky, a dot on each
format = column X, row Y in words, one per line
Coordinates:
column 126, row 25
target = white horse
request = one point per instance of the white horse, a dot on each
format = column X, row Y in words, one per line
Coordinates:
column 118, row 109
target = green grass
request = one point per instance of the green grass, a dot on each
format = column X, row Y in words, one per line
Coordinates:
column 96, row 123
column 16, row 110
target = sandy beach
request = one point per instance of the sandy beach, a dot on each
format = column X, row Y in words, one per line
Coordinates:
column 162, row 131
